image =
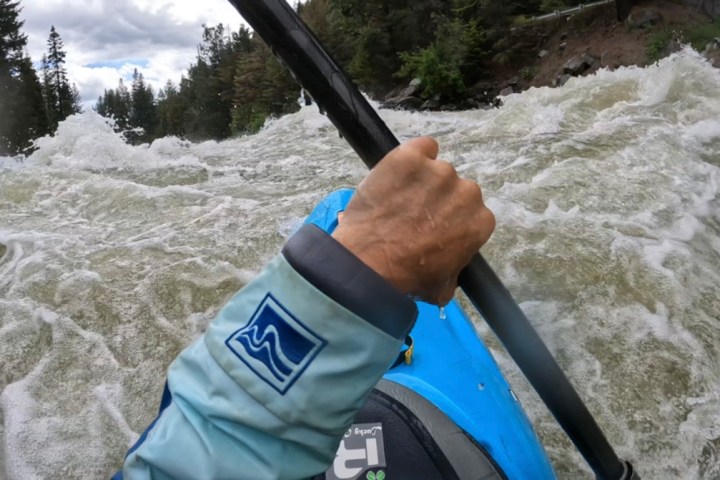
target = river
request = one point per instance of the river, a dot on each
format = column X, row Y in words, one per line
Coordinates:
column 114, row 257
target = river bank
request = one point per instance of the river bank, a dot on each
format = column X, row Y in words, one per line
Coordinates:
column 550, row 52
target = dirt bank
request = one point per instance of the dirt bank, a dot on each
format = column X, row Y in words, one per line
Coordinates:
column 598, row 37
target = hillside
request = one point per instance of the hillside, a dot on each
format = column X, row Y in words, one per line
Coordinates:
column 547, row 53
column 409, row 54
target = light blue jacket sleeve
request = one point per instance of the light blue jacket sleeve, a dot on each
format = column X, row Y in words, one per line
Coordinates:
column 269, row 390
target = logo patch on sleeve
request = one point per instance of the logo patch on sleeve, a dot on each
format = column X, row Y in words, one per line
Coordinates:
column 361, row 454
column 275, row 345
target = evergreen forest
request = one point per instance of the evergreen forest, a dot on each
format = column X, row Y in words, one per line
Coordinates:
column 235, row 83
column 32, row 103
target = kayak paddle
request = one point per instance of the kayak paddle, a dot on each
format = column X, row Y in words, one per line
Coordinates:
column 291, row 40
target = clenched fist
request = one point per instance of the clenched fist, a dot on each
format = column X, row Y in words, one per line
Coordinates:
column 415, row 222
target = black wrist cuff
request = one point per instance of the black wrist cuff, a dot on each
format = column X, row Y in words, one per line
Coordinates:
column 343, row 277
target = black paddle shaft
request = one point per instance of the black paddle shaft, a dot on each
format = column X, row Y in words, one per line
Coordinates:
column 290, row 39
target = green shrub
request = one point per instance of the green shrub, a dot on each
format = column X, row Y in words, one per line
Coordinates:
column 440, row 66
column 526, row 73
column 440, row 75
column 700, row 36
column 247, row 120
column 657, row 43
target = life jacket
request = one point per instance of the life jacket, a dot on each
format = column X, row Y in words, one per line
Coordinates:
column 399, row 435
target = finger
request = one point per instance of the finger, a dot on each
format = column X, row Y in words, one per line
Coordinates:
column 487, row 219
column 444, row 169
column 426, row 145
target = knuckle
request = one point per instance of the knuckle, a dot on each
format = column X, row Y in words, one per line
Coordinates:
column 471, row 190
column 444, row 169
column 486, row 224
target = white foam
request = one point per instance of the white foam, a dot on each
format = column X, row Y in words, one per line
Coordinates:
column 605, row 192
column 704, row 131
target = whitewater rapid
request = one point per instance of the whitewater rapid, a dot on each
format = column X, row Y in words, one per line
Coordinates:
column 114, row 257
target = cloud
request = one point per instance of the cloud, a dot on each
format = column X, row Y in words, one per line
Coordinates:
column 107, row 39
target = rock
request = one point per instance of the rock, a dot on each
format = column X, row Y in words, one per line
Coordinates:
column 713, row 57
column 542, row 53
column 643, row 18
column 412, row 88
column 404, row 98
column 562, row 46
column 713, row 44
column 398, row 94
column 579, row 64
column 485, row 99
column 403, row 103
column 394, row 93
column 514, row 81
column 410, row 103
column 575, row 66
column 432, row 104
column 484, row 92
column 590, row 60
column 3, row 249
column 711, row 54
column 307, row 99
column 673, row 46
column 482, row 87
column 562, row 80
column 563, row 36
column 506, row 91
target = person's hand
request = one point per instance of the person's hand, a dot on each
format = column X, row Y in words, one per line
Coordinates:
column 415, row 222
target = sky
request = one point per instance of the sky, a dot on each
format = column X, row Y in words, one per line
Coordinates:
column 107, row 39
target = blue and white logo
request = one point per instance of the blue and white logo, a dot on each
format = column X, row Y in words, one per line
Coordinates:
column 275, row 345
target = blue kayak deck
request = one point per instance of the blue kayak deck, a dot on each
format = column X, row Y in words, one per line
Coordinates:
column 452, row 368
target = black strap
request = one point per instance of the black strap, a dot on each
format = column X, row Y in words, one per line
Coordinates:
column 406, row 354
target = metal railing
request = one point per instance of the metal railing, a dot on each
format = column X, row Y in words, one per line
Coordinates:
column 570, row 11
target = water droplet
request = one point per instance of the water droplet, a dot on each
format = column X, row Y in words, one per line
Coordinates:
column 442, row 313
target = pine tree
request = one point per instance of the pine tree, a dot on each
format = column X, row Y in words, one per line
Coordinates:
column 208, row 89
column 171, row 110
column 48, row 92
column 116, row 104
column 62, row 98
column 21, row 103
column 31, row 121
column 100, row 106
column 263, row 88
column 75, row 100
column 143, row 109
column 121, row 106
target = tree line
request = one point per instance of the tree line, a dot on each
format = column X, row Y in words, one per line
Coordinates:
column 32, row 105
column 235, row 83
column 233, row 86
